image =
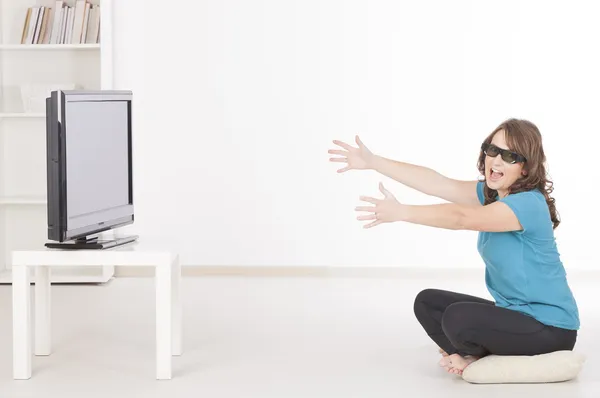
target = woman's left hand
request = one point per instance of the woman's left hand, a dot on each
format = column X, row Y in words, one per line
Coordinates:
column 384, row 210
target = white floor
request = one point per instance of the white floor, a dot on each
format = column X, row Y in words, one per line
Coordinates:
column 264, row 337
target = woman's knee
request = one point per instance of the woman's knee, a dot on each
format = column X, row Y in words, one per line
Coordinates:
column 456, row 318
column 422, row 300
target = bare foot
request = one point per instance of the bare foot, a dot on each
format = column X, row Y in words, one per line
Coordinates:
column 458, row 364
column 445, row 362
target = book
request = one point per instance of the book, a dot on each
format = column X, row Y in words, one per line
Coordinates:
column 62, row 24
column 57, row 22
column 26, row 26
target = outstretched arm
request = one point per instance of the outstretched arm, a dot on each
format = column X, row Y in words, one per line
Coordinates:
column 495, row 217
column 420, row 178
column 428, row 181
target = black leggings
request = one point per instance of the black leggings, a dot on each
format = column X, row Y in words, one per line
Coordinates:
column 467, row 325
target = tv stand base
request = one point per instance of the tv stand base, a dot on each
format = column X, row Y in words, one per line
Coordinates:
column 91, row 243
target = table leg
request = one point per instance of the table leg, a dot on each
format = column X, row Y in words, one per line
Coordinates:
column 21, row 323
column 163, row 321
column 43, row 324
column 176, row 310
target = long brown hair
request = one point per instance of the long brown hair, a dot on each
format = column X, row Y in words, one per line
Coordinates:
column 523, row 137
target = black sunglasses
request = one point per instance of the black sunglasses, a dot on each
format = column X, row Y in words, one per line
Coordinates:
column 508, row 156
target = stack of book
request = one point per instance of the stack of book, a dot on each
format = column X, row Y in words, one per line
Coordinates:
column 62, row 24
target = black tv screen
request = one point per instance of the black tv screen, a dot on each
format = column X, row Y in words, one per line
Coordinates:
column 89, row 163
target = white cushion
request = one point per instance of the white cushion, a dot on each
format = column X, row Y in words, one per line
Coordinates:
column 545, row 368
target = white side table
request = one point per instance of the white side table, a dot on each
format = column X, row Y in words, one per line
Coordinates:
column 168, row 299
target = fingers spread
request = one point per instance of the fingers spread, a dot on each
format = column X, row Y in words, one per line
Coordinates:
column 342, row 144
column 338, row 159
column 384, row 191
column 367, row 217
column 373, row 224
column 369, row 199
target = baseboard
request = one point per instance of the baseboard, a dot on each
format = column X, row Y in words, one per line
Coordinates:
column 308, row 271
column 327, row 271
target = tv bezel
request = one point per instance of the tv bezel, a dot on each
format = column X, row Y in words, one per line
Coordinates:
column 57, row 130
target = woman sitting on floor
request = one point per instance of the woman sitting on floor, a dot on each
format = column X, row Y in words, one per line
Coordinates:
column 534, row 311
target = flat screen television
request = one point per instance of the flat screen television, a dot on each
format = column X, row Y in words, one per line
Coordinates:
column 89, row 167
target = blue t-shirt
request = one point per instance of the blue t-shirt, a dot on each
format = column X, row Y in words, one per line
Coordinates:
column 523, row 268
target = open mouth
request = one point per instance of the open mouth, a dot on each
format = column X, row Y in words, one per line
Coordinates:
column 495, row 175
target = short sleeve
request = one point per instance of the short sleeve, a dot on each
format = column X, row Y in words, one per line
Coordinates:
column 480, row 194
column 531, row 211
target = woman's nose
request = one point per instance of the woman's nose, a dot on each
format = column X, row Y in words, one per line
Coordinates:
column 497, row 160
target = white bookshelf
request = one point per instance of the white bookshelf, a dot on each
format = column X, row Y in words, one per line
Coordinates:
column 29, row 71
column 22, row 115
column 6, row 201
column 48, row 47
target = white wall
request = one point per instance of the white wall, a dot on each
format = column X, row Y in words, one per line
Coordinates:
column 237, row 103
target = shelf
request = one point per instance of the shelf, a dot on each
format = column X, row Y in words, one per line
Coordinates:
column 6, row 277
column 22, row 115
column 51, row 47
column 22, row 201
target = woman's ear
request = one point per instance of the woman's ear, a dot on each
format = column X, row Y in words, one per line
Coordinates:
column 524, row 172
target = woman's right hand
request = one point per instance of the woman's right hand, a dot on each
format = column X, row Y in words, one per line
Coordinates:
column 360, row 158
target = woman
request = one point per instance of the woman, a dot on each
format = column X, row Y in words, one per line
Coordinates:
column 533, row 311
